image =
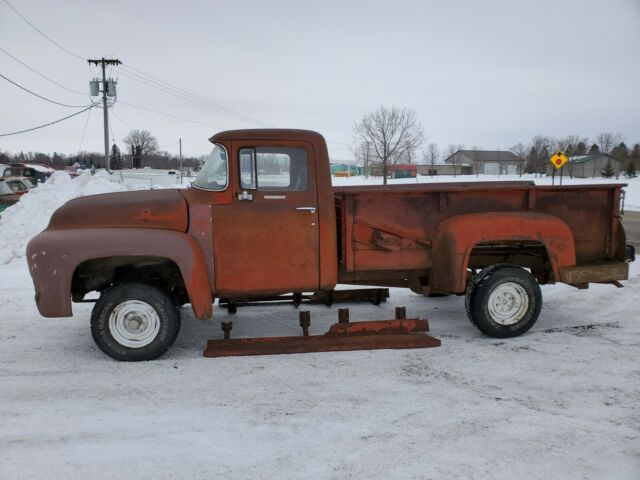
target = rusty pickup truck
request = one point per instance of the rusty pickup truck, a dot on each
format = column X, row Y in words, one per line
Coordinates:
column 262, row 217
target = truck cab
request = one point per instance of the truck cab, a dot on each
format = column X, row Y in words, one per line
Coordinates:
column 262, row 207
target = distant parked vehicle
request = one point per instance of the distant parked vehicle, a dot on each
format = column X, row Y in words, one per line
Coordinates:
column 34, row 172
column 11, row 189
column 40, row 172
column 5, row 170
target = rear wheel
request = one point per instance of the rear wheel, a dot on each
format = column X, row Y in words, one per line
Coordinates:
column 134, row 321
column 503, row 301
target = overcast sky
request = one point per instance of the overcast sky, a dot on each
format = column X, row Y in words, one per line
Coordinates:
column 481, row 73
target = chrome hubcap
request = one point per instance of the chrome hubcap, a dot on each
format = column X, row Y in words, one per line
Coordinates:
column 134, row 324
column 508, row 303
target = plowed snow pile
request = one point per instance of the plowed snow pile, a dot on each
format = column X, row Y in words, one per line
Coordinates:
column 22, row 221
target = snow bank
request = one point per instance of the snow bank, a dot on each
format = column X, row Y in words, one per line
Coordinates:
column 22, row 221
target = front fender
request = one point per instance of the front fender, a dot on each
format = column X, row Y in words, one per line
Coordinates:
column 455, row 237
column 53, row 256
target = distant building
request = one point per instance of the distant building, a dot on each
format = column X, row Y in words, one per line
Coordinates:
column 403, row 170
column 345, row 169
column 488, row 162
column 445, row 169
column 589, row 166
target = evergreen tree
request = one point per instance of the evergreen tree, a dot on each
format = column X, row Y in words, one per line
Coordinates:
column 620, row 152
column 530, row 162
column 581, row 149
column 607, row 171
column 635, row 152
column 631, row 171
column 594, row 149
column 116, row 158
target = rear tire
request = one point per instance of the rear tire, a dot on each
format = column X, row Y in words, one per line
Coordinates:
column 133, row 322
column 503, row 301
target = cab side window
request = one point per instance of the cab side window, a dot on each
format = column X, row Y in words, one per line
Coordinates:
column 273, row 169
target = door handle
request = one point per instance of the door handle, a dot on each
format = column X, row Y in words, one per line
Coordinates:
column 306, row 209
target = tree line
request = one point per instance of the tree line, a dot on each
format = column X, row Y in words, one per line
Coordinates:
column 536, row 154
column 392, row 135
column 150, row 156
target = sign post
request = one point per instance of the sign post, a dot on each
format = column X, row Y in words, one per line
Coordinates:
column 558, row 159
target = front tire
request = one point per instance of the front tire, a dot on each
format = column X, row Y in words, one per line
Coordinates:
column 134, row 322
column 503, row 301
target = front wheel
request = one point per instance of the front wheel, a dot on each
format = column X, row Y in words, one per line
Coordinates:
column 503, row 301
column 133, row 322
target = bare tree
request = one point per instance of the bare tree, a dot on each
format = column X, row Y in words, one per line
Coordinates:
column 520, row 150
column 571, row 144
column 143, row 139
column 392, row 133
column 451, row 151
column 432, row 154
column 540, row 148
column 607, row 140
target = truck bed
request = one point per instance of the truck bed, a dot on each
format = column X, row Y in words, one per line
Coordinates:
column 389, row 228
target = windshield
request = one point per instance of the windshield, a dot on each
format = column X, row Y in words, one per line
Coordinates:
column 213, row 175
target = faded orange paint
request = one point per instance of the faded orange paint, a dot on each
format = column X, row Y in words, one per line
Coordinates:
column 416, row 236
column 455, row 237
column 54, row 255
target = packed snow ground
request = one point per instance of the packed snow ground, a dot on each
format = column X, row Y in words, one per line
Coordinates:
column 558, row 402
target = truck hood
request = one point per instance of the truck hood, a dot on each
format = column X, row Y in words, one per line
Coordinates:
column 166, row 209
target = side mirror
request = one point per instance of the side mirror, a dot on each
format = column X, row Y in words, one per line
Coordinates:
column 245, row 196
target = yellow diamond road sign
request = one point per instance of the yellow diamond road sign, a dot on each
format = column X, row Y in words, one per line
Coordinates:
column 558, row 159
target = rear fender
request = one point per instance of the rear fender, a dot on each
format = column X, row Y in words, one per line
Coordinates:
column 454, row 239
column 53, row 256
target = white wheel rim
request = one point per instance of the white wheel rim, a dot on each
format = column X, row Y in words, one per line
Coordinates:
column 134, row 324
column 508, row 303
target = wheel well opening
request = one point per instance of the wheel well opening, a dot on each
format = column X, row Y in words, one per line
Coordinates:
column 101, row 273
column 528, row 254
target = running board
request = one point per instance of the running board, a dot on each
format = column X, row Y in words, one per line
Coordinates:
column 398, row 333
column 327, row 297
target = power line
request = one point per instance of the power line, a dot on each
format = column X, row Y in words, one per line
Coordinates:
column 84, row 94
column 40, row 96
column 47, row 124
column 191, row 98
column 157, row 83
column 84, row 131
column 221, row 108
column 170, row 115
column 113, row 137
column 161, row 85
column 120, row 119
column 42, row 33
column 170, row 145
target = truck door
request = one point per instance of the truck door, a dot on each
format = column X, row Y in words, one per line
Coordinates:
column 266, row 239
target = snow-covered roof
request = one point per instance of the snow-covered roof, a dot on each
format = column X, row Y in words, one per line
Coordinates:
column 39, row 168
column 587, row 158
column 486, row 156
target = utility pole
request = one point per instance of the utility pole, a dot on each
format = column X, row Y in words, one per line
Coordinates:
column 366, row 162
column 104, row 62
column 180, row 142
